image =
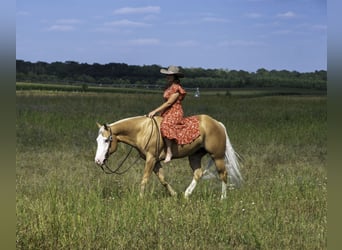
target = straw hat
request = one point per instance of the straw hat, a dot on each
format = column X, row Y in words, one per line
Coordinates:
column 172, row 70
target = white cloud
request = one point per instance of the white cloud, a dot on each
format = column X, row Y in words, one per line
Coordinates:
column 126, row 23
column 68, row 21
column 312, row 27
column 282, row 32
column 151, row 17
column 288, row 14
column 244, row 43
column 139, row 10
column 22, row 13
column 215, row 20
column 64, row 25
column 61, row 28
column 253, row 15
column 320, row 27
column 144, row 41
column 186, row 43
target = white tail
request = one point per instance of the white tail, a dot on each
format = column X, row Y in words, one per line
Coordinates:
column 231, row 163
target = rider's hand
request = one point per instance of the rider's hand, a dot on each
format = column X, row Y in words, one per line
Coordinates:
column 151, row 114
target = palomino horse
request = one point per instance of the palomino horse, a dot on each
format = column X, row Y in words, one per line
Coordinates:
column 143, row 134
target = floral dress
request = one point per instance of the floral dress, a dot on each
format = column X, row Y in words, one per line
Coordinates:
column 174, row 126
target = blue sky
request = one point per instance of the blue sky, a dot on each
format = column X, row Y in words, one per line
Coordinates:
column 228, row 34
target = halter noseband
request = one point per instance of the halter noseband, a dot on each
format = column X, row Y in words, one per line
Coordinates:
column 110, row 139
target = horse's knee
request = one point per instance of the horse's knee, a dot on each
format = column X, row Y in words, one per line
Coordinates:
column 198, row 174
column 221, row 169
column 161, row 177
column 223, row 176
column 142, row 186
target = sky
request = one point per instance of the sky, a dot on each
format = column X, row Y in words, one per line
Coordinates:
column 212, row 34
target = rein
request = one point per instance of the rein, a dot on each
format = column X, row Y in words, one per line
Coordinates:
column 106, row 169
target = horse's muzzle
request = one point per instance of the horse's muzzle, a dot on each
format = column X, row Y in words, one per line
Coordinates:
column 99, row 162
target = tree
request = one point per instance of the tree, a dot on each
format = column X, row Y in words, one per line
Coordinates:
column 121, row 73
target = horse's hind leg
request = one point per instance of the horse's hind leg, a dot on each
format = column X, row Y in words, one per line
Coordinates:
column 222, row 171
column 195, row 163
column 158, row 170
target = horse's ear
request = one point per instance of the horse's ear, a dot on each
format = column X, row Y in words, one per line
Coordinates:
column 105, row 126
column 98, row 124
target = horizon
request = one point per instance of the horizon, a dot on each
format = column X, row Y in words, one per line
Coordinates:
column 224, row 69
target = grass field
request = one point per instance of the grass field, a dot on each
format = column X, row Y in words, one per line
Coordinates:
column 237, row 92
column 64, row 201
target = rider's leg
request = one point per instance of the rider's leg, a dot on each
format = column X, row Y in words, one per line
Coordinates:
column 168, row 150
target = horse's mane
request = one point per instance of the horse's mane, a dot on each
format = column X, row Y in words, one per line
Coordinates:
column 125, row 120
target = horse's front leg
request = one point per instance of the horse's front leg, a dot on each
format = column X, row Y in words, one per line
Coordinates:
column 149, row 165
column 158, row 170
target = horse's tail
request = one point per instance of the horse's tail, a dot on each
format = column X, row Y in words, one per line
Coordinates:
column 232, row 163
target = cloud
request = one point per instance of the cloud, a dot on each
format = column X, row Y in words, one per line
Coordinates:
column 319, row 27
column 253, row 15
column 64, row 25
column 312, row 27
column 126, row 23
column 139, row 10
column 68, row 21
column 186, row 43
column 244, row 43
column 61, row 28
column 215, row 20
column 282, row 32
column 22, row 13
column 288, row 14
column 144, row 41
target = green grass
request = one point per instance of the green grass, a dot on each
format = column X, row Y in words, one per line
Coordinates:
column 239, row 92
column 20, row 86
column 64, row 201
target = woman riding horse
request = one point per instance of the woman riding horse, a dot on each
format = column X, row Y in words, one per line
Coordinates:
column 174, row 126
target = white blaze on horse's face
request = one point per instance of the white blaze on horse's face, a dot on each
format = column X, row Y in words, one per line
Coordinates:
column 103, row 144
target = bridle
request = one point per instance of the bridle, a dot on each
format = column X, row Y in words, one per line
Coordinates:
column 110, row 139
column 106, row 169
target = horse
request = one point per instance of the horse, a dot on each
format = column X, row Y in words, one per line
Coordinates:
column 143, row 134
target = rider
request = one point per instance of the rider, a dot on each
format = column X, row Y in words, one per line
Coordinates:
column 174, row 127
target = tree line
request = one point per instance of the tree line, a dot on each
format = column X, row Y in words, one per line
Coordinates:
column 124, row 74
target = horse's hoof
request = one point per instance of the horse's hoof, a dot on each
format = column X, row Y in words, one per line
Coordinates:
column 173, row 194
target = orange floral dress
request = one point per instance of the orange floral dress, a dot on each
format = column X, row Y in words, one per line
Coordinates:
column 174, row 126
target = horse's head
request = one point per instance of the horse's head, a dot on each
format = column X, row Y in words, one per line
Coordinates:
column 106, row 144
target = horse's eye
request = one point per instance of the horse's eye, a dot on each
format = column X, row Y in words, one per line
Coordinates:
column 106, row 140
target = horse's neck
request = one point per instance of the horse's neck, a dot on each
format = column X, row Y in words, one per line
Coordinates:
column 126, row 130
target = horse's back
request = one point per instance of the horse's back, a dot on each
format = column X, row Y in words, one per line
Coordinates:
column 209, row 124
column 212, row 136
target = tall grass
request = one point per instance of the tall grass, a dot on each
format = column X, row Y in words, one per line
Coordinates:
column 65, row 202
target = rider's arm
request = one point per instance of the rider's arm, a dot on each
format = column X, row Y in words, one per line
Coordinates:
column 172, row 99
